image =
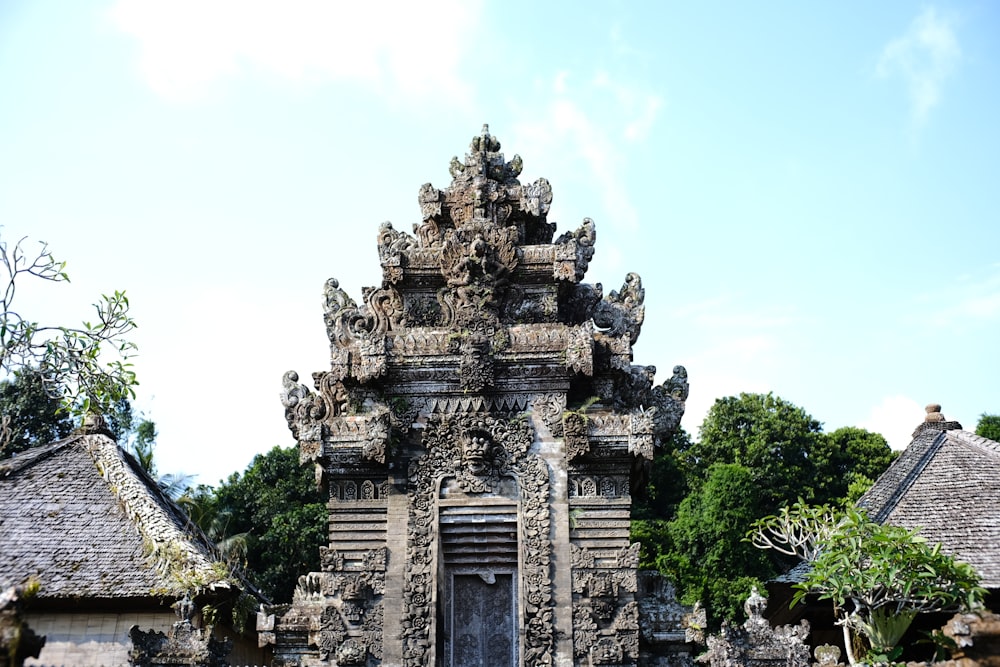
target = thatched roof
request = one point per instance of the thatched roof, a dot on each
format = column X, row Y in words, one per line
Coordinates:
column 82, row 518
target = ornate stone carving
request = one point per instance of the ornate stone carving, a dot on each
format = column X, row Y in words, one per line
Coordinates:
column 317, row 417
column 827, row 655
column 450, row 381
column 574, row 252
column 183, row 644
column 476, row 261
column 606, row 590
column 580, row 349
column 584, row 631
column 606, row 651
column 331, row 560
column 351, row 652
column 475, row 370
column 392, row 249
column 668, row 399
column 550, row 408
column 756, row 643
column 332, row 632
column 623, row 312
column 662, row 619
column 575, row 435
column 477, row 451
column 377, row 438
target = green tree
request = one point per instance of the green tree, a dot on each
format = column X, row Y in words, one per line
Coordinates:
column 989, row 427
column 276, row 505
column 29, row 415
column 707, row 557
column 848, row 456
column 878, row 577
column 767, row 435
column 87, row 367
column 756, row 453
column 203, row 508
column 666, row 485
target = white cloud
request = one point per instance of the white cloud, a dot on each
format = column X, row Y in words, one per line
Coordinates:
column 925, row 56
column 895, row 418
column 639, row 106
column 582, row 120
column 205, row 393
column 971, row 300
column 395, row 47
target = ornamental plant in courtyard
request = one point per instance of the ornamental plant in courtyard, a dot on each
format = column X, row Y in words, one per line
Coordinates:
column 878, row 577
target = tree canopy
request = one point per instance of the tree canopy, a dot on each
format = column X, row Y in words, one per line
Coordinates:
column 29, row 414
column 755, row 453
column 278, row 513
column 989, row 427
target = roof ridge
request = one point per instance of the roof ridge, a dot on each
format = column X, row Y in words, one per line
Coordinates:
column 990, row 447
column 917, row 460
column 177, row 556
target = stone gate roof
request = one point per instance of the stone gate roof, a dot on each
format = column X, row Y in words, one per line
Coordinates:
column 947, row 483
column 82, row 518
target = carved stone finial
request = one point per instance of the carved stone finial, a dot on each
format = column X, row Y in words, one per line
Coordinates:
column 934, row 413
column 827, row 655
column 935, row 420
column 756, row 642
column 95, row 424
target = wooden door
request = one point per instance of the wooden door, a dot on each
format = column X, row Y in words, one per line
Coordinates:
column 483, row 628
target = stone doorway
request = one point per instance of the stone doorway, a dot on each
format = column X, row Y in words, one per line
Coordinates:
column 483, row 609
column 479, row 593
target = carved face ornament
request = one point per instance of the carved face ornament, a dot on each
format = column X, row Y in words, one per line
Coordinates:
column 478, row 452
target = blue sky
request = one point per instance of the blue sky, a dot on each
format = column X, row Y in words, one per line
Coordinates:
column 810, row 193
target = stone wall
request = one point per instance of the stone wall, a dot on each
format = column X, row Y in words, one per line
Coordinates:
column 90, row 640
column 102, row 639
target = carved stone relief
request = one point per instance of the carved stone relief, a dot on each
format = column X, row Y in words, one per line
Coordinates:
column 607, row 626
column 756, row 643
column 477, row 450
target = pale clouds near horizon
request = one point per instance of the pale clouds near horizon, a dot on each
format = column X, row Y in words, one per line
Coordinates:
column 925, row 56
column 189, row 45
column 895, row 417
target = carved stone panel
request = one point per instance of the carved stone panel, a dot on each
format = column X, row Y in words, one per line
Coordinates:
column 456, row 449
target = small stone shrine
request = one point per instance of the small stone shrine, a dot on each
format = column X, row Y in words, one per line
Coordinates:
column 481, row 430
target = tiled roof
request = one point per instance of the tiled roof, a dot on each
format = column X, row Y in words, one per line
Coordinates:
column 947, row 483
column 82, row 518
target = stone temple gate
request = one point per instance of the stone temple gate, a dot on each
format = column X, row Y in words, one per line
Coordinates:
column 480, row 431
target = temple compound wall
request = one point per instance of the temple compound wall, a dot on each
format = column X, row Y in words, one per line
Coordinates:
column 480, row 431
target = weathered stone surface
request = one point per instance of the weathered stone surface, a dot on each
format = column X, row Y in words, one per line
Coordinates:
column 756, row 643
column 977, row 639
column 17, row 641
column 479, row 431
column 183, row 644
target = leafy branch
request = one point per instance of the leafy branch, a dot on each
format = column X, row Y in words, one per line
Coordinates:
column 87, row 367
column 878, row 577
